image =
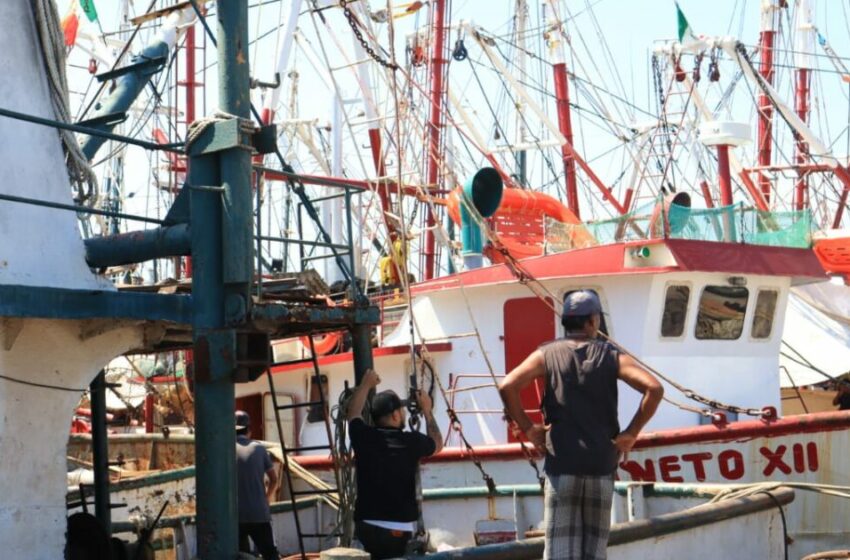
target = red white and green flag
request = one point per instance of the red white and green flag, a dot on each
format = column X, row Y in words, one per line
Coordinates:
column 89, row 9
column 686, row 34
column 70, row 25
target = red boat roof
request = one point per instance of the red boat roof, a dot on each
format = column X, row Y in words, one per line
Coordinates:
column 610, row 260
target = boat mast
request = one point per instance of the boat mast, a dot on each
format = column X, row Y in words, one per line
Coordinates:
column 805, row 45
column 562, row 96
column 769, row 11
column 522, row 130
column 436, row 64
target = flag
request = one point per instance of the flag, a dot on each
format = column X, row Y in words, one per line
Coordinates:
column 70, row 25
column 89, row 9
column 686, row 34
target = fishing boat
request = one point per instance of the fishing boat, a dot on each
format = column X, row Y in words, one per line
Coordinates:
column 699, row 295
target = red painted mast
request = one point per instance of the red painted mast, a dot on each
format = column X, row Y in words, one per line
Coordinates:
column 190, row 85
column 805, row 45
column 435, row 123
column 562, row 96
column 765, row 108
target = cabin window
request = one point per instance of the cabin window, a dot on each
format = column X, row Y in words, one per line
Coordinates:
column 675, row 310
column 763, row 316
column 721, row 312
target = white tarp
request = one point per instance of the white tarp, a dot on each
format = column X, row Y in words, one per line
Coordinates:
column 817, row 333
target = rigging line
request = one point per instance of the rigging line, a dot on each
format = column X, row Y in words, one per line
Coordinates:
column 42, row 385
column 575, row 57
column 496, row 123
column 534, row 136
column 338, row 90
column 609, row 57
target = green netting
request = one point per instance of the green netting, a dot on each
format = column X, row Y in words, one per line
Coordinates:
column 731, row 224
column 778, row 229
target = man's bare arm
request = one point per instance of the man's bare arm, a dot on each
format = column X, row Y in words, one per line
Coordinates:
column 520, row 377
column 272, row 488
column 431, row 426
column 643, row 382
column 358, row 400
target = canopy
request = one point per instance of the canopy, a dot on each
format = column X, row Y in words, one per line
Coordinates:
column 816, row 335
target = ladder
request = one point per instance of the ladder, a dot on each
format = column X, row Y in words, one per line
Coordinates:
column 331, row 496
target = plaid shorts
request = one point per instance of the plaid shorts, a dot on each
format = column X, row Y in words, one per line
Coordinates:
column 577, row 516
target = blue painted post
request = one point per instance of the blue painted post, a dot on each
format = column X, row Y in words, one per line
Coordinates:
column 127, row 89
column 222, row 243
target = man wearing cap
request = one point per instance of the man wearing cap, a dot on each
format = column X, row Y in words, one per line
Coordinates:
column 387, row 460
column 581, row 438
column 253, row 464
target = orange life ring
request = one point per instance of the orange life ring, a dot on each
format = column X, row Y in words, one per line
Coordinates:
column 323, row 343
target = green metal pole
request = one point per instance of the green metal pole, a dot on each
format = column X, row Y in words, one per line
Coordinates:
column 222, row 241
column 361, row 348
column 215, row 434
column 100, row 452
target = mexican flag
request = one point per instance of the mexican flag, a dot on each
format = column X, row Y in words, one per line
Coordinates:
column 89, row 9
column 686, row 34
column 70, row 25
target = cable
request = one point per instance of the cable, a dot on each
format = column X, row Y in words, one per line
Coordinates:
column 42, row 385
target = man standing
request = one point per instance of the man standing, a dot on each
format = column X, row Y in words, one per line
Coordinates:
column 253, row 464
column 387, row 460
column 582, row 438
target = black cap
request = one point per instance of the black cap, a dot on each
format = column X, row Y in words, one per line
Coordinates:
column 243, row 421
column 384, row 403
column 581, row 303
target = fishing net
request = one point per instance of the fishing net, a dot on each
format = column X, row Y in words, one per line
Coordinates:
column 731, row 224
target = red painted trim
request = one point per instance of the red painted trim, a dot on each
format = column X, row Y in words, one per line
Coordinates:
column 376, row 353
column 609, row 260
column 737, row 431
column 750, row 429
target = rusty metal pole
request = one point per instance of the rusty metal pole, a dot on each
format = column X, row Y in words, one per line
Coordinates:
column 221, row 204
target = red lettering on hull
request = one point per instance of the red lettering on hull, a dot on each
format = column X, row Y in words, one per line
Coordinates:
column 775, row 460
column 730, row 464
column 668, row 465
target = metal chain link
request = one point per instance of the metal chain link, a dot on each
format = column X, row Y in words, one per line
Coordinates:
column 355, row 27
column 454, row 422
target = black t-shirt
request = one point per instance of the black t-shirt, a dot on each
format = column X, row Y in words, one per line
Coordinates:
column 386, row 460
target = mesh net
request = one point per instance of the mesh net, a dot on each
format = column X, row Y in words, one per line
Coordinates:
column 731, row 224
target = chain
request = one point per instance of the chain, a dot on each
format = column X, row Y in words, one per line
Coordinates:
column 355, row 27
column 454, row 423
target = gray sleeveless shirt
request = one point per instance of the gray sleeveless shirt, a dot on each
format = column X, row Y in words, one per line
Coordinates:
column 580, row 404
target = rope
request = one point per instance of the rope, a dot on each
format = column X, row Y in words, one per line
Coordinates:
column 347, row 476
column 43, row 385
column 49, row 35
column 198, row 127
